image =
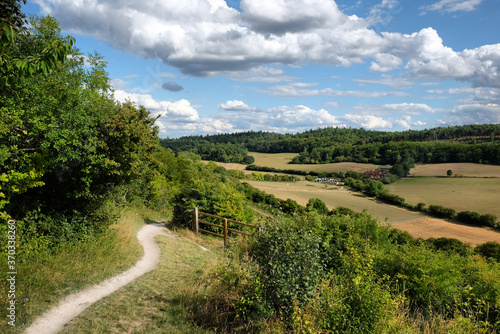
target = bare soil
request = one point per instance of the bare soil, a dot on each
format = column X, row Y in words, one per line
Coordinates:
column 436, row 228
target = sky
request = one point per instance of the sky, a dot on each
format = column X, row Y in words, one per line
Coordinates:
column 288, row 66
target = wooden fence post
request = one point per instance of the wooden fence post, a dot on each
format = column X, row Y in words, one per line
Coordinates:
column 196, row 225
column 225, row 232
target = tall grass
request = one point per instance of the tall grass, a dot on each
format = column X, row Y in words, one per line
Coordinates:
column 72, row 266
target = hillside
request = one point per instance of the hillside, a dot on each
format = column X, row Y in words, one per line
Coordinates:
column 467, row 143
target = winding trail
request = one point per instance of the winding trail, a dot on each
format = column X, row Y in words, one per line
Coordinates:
column 55, row 320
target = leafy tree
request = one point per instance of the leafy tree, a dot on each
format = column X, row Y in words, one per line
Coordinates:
column 65, row 142
column 489, row 249
column 317, row 205
column 449, row 172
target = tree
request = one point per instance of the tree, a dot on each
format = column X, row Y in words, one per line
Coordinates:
column 65, row 142
column 317, row 205
column 449, row 172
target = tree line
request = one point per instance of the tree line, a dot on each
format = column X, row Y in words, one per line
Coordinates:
column 467, row 143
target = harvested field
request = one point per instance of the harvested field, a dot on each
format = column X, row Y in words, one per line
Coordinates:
column 464, row 169
column 281, row 161
column 461, row 194
column 436, row 228
column 302, row 191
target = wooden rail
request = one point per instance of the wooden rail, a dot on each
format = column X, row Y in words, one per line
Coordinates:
column 225, row 229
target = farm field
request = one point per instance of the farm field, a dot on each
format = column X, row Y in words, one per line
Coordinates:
column 437, row 228
column 464, row 169
column 281, row 160
column 481, row 195
column 302, row 191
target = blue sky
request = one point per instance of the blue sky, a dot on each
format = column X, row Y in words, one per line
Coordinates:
column 215, row 66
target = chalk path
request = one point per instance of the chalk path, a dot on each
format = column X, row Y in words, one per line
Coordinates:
column 56, row 318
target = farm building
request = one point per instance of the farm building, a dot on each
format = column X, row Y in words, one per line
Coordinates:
column 336, row 182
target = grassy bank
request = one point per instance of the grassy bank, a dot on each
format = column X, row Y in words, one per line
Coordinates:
column 45, row 280
column 158, row 301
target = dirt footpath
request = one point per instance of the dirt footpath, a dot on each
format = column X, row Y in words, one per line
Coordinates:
column 55, row 320
column 436, row 228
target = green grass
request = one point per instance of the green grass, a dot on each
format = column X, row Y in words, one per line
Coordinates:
column 302, row 191
column 461, row 194
column 46, row 280
column 464, row 169
column 157, row 302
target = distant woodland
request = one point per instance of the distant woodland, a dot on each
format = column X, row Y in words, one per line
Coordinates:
column 467, row 143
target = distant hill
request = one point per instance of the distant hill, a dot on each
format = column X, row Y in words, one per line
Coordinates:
column 467, row 143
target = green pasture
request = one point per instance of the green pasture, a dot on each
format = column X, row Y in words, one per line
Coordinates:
column 460, row 169
column 302, row 191
column 481, row 195
column 281, row 161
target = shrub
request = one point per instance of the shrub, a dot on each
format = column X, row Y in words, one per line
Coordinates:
column 290, row 265
column 390, row 198
column 317, row 205
column 450, row 245
column 400, row 237
column 469, row 217
column 441, row 212
column 488, row 220
column 490, row 250
column 342, row 211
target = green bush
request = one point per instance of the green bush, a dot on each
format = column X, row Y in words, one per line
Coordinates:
column 441, row 212
column 400, row 237
column 450, row 245
column 317, row 205
column 490, row 250
column 469, row 217
column 387, row 197
column 290, row 264
column 488, row 220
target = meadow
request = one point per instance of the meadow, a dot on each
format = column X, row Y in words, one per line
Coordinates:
column 460, row 169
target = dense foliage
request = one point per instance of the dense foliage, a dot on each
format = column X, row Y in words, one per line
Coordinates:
column 342, row 272
column 467, row 143
column 219, row 152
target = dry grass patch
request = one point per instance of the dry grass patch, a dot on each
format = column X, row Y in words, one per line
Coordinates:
column 437, row 228
column 281, row 161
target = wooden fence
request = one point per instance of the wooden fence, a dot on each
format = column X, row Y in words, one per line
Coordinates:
column 225, row 229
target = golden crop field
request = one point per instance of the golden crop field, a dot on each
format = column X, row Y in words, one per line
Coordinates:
column 481, row 195
column 302, row 191
column 281, row 161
